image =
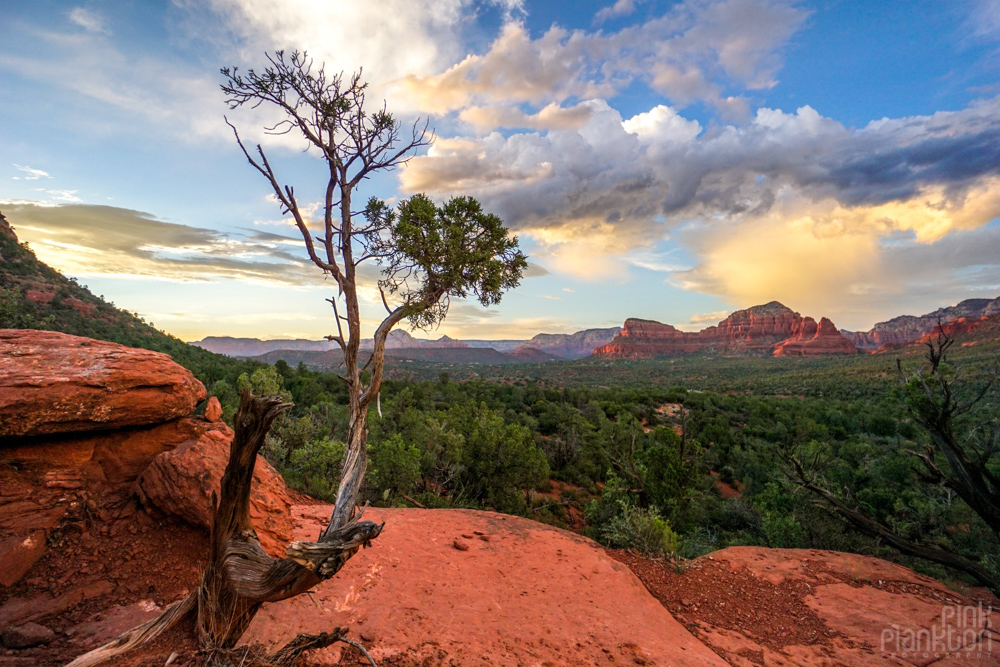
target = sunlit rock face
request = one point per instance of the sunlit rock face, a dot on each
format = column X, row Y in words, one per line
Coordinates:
column 57, row 383
column 768, row 329
column 907, row 329
column 815, row 340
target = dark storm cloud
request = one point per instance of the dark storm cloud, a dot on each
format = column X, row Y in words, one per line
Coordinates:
column 628, row 173
column 880, row 176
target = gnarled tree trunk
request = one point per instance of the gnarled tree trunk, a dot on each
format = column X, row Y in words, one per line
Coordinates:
column 240, row 575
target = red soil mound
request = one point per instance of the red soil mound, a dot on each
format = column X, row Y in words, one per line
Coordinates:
column 756, row 606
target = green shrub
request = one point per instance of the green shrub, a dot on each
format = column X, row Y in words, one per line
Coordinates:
column 616, row 522
column 393, row 466
column 315, row 468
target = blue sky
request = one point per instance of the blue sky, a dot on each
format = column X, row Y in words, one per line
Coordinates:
column 666, row 160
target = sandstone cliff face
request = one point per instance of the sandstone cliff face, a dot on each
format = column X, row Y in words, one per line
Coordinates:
column 644, row 339
column 907, row 329
column 759, row 327
column 962, row 325
column 81, row 420
column 57, row 383
column 757, row 330
column 815, row 340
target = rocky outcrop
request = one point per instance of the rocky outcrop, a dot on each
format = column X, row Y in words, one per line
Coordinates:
column 5, row 229
column 180, row 482
column 757, row 330
column 814, row 340
column 644, row 339
column 175, row 465
column 907, row 329
column 56, row 391
column 957, row 327
column 37, row 474
column 441, row 587
column 575, row 345
column 57, row 383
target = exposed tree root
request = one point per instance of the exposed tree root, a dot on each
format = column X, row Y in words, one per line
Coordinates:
column 142, row 634
column 240, row 575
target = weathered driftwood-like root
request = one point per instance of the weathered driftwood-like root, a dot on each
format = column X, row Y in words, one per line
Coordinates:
column 290, row 652
column 240, row 575
column 146, row 632
column 254, row 655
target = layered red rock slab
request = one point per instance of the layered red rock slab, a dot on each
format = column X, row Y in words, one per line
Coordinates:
column 57, row 383
column 760, row 329
column 114, row 456
column 180, row 482
column 33, row 502
column 529, row 595
column 757, row 606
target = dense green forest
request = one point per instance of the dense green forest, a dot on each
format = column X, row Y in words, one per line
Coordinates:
column 667, row 470
column 674, row 457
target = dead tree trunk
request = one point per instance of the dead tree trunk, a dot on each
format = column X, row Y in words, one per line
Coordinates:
column 240, row 575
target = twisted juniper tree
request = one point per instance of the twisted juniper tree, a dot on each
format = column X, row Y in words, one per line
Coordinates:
column 428, row 255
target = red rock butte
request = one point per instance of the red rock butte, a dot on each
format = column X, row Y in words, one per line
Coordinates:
column 771, row 329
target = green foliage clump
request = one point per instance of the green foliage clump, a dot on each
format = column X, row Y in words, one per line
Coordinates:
column 315, row 468
column 501, row 460
column 616, row 521
column 455, row 250
column 393, row 466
